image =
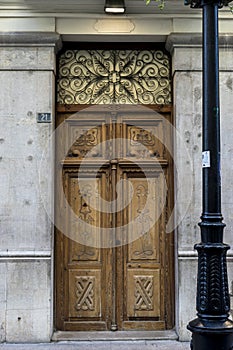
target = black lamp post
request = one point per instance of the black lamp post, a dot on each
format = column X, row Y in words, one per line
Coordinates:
column 211, row 330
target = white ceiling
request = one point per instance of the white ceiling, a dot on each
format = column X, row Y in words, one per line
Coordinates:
column 89, row 6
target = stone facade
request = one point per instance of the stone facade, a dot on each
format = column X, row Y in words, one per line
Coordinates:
column 187, row 88
column 27, row 71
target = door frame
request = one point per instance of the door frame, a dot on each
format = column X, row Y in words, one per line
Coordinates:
column 168, row 334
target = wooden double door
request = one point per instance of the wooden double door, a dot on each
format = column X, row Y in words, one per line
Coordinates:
column 114, row 259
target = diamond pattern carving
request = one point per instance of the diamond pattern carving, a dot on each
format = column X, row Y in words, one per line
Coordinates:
column 143, row 292
column 85, row 293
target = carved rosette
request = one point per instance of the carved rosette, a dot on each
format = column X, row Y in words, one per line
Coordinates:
column 212, row 288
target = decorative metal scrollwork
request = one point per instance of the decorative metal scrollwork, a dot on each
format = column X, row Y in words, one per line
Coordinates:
column 114, row 76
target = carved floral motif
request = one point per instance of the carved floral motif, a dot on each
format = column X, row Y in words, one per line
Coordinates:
column 139, row 138
column 85, row 140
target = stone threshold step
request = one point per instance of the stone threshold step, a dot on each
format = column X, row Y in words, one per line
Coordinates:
column 114, row 336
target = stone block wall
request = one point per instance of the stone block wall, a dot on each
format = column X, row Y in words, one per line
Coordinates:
column 27, row 74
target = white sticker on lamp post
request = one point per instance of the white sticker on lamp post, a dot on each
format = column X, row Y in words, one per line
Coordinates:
column 206, row 159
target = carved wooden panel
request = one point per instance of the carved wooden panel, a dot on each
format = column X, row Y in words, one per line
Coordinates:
column 85, row 141
column 146, row 247
column 89, row 225
column 87, row 137
column 84, row 293
column 143, row 293
column 144, row 136
column 145, row 142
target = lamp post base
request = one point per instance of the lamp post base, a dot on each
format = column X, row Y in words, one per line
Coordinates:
column 212, row 330
column 211, row 334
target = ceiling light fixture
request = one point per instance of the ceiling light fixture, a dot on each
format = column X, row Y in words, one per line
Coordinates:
column 114, row 6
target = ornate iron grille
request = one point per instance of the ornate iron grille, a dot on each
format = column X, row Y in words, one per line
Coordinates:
column 114, row 76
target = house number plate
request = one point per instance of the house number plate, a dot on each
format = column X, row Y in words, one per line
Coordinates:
column 44, row 118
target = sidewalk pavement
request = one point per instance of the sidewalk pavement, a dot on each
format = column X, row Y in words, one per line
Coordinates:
column 101, row 345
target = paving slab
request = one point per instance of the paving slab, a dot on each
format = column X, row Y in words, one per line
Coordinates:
column 100, row 345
